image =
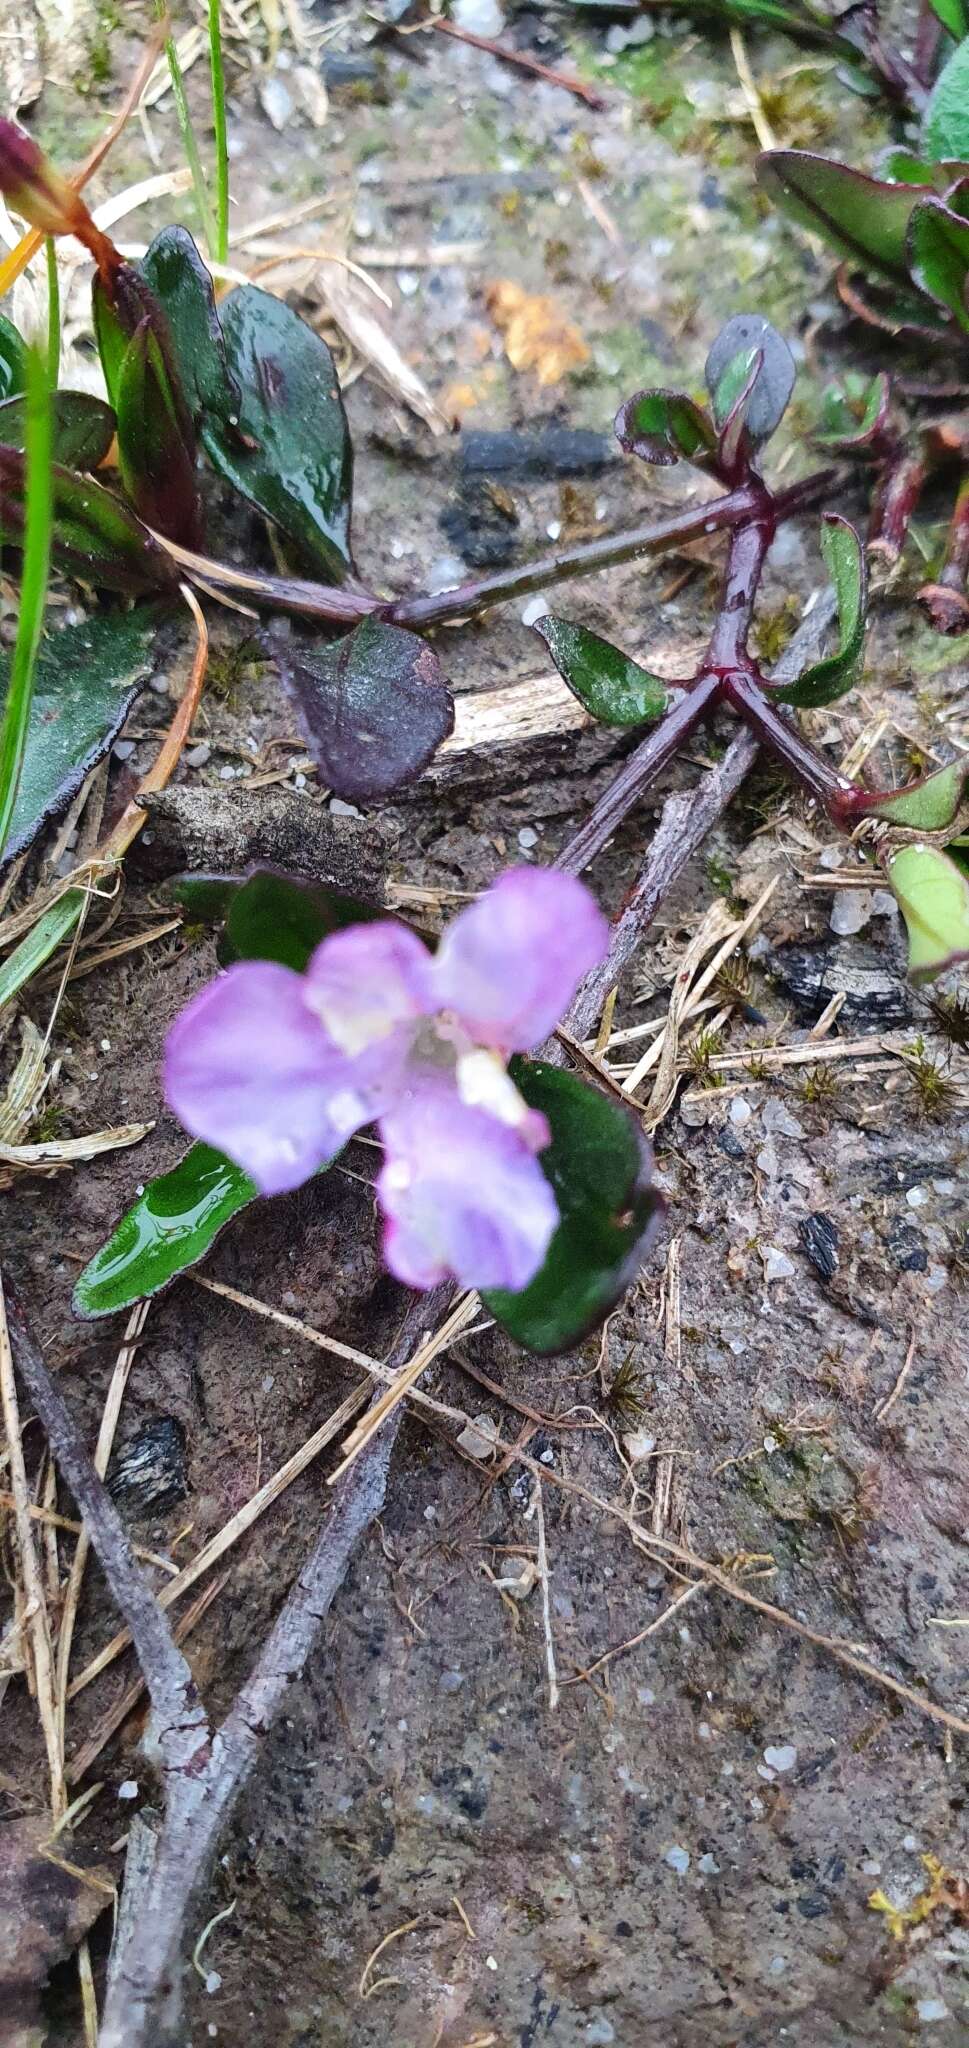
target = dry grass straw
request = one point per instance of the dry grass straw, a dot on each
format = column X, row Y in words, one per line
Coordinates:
column 719, row 929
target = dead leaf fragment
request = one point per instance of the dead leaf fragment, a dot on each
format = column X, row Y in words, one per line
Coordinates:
column 537, row 334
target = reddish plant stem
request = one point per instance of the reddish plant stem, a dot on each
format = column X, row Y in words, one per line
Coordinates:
column 897, row 499
column 946, row 600
column 636, row 774
column 732, row 510
column 802, row 761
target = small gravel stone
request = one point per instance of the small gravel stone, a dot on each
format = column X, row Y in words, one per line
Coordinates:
column 678, row 1859
column 777, row 1265
column 740, row 1110
column 850, row 912
column 782, row 1758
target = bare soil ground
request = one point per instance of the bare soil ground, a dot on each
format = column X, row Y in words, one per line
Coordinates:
column 683, row 1854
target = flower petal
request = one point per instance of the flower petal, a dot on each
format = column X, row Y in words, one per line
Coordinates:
column 248, row 1068
column 511, row 963
column 461, row 1194
column 366, row 982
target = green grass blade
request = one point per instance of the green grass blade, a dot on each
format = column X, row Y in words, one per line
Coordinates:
column 53, row 315
column 33, row 585
column 191, row 147
column 35, row 950
column 221, row 248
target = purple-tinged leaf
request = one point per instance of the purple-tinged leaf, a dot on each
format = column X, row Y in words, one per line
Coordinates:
column 663, row 427
column 157, row 462
column 862, row 218
column 375, row 705
column 83, row 428
column 96, row 539
column 935, row 803
column 729, row 366
column 609, row 683
column 855, row 413
column 178, row 277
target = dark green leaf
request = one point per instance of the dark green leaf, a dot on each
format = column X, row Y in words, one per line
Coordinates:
column 609, row 683
column 938, row 243
column 945, row 123
column 13, row 360
column 157, row 464
column 204, row 898
column 599, row 1166
column 954, row 16
column 270, row 915
column 96, row 538
column 844, row 558
column 903, row 167
column 933, row 804
column 854, row 413
column 375, row 705
column 83, row 428
column 87, row 679
column 178, row 277
column 932, row 891
column 111, row 335
column 862, row 218
column 663, row 426
column 728, row 366
column 170, row 1226
column 294, row 460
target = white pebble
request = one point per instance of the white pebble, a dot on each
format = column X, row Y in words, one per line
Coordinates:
column 527, row 838
column 536, row 608
column 129, row 1789
column 851, row 911
column 916, row 1197
column 708, row 1865
column 678, row 1859
column 777, row 1265
column 783, row 1758
column 123, row 750
column 340, row 809
column 932, row 2009
column 213, row 1982
column 830, row 858
column 740, row 1110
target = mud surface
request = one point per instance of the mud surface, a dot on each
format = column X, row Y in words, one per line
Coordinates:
column 683, row 1854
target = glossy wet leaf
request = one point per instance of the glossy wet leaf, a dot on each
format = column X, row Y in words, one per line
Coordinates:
column 178, row 277
column 294, row 461
column 945, row 123
column 609, row 683
column 854, row 413
column 96, row 538
column 83, row 427
column 728, row 367
column 931, row 805
column 663, row 427
column 599, row 1166
column 844, row 558
column 170, row 1226
column 932, row 891
column 270, row 915
column 375, row 705
column 13, row 360
column 865, row 219
column 157, row 463
column 938, row 243
column 86, row 680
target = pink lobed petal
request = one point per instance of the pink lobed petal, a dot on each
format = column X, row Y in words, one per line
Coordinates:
column 368, row 983
column 248, row 1068
column 510, row 964
column 461, row 1194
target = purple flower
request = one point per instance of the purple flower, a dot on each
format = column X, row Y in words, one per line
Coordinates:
column 279, row 1069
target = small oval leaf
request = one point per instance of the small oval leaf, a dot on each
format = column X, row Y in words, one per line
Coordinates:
column 375, row 705
column 157, row 464
column 270, row 915
column 844, row 558
column 854, row 413
column 179, row 279
column 664, row 426
column 938, row 246
column 607, row 682
column 932, row 891
column 729, row 363
column 600, row 1167
column 170, row 1226
column 934, row 804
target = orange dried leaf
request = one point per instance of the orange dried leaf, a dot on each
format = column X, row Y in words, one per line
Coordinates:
column 536, row 332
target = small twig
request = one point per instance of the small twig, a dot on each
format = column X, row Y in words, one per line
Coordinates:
column 618, row 1650
column 523, row 61
column 748, row 86
column 38, row 1619
column 889, row 1403
column 543, row 1574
